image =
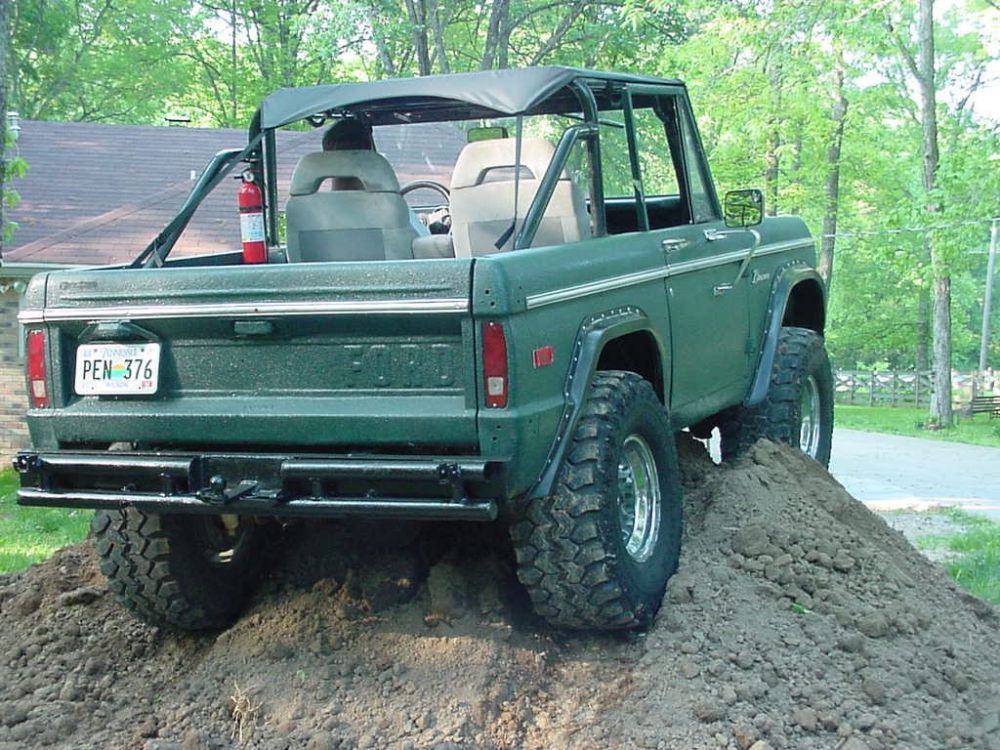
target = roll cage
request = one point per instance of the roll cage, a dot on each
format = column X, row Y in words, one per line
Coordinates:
column 518, row 93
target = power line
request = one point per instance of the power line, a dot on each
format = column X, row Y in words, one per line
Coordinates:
column 911, row 230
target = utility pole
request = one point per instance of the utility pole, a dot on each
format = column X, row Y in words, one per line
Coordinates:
column 3, row 113
column 991, row 266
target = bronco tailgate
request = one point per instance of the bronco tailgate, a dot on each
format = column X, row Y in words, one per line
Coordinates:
column 332, row 356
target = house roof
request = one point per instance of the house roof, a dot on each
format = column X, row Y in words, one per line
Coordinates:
column 97, row 194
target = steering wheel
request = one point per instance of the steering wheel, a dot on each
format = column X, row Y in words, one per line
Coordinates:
column 439, row 221
column 428, row 184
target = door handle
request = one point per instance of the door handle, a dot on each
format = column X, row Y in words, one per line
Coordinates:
column 713, row 235
column 672, row 243
column 719, row 289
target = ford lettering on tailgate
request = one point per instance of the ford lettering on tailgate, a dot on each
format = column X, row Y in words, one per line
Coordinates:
column 428, row 365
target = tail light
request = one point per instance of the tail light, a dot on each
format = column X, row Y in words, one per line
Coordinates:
column 38, row 389
column 495, row 365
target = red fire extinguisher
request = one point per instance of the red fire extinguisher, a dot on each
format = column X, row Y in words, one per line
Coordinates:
column 251, row 203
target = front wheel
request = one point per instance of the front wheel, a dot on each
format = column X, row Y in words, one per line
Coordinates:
column 798, row 408
column 192, row 572
column 597, row 553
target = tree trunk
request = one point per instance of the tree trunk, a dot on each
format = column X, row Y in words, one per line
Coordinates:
column 234, row 73
column 941, row 332
column 829, row 240
column 415, row 10
column 499, row 10
column 923, row 331
column 772, row 165
column 503, row 44
column 795, row 173
column 772, row 159
column 382, row 49
column 941, row 400
column 434, row 18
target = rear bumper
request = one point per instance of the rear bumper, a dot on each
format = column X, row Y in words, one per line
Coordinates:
column 283, row 486
column 265, row 419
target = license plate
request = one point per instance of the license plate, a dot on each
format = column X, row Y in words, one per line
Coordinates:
column 112, row 369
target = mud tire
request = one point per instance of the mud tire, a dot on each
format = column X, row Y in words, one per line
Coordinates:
column 800, row 356
column 163, row 570
column 571, row 554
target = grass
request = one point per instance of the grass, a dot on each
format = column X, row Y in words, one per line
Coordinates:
column 975, row 564
column 903, row 420
column 30, row 535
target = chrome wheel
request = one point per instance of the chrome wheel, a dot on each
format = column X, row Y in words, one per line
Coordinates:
column 811, row 419
column 638, row 499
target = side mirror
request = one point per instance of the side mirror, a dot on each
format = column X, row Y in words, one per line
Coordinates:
column 744, row 208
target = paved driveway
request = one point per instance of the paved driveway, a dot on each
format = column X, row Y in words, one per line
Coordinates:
column 890, row 472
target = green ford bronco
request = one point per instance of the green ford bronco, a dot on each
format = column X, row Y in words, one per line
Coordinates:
column 520, row 343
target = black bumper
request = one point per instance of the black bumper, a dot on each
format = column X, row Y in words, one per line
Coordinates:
column 283, row 486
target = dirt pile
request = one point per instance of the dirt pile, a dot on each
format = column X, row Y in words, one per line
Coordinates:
column 797, row 620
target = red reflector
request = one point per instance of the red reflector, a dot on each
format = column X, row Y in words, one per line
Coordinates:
column 495, row 365
column 38, row 393
column 543, row 356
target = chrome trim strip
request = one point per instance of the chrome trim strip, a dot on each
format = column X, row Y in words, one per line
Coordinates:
column 248, row 310
column 701, row 264
column 393, row 306
column 780, row 247
column 541, row 299
column 594, row 287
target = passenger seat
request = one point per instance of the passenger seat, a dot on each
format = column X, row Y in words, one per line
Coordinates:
column 482, row 197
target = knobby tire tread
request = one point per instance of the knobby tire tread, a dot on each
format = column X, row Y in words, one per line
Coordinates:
column 569, row 570
column 138, row 556
column 774, row 417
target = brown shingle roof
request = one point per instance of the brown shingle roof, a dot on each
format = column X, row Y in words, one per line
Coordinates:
column 97, row 194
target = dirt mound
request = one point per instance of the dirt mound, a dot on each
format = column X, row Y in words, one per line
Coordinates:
column 798, row 619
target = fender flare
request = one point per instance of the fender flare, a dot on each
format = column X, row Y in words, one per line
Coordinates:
column 786, row 279
column 594, row 333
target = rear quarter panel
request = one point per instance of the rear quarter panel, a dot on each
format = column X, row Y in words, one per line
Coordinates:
column 544, row 297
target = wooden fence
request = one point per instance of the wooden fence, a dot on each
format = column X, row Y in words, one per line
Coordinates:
column 897, row 388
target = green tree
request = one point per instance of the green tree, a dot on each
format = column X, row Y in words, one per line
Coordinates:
column 421, row 37
column 97, row 60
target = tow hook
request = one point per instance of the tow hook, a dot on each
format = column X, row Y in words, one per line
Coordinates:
column 451, row 473
column 25, row 463
column 217, row 492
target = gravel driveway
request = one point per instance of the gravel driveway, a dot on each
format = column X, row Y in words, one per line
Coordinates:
column 891, row 472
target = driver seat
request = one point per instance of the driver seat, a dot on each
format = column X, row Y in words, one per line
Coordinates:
column 367, row 221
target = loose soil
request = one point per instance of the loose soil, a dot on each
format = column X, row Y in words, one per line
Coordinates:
column 798, row 619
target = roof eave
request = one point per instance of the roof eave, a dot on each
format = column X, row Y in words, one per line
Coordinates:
column 18, row 270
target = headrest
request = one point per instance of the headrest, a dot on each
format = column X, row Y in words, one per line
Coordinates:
column 479, row 158
column 367, row 167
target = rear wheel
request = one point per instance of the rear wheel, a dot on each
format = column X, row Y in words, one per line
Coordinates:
column 597, row 553
column 192, row 572
column 798, row 408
